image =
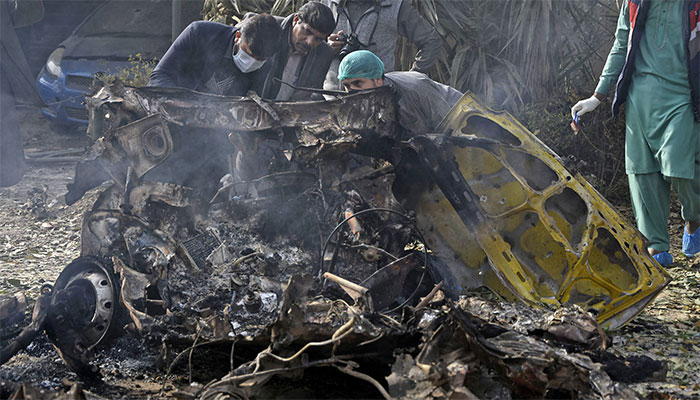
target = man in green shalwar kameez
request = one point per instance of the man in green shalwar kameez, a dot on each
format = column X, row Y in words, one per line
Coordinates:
column 654, row 41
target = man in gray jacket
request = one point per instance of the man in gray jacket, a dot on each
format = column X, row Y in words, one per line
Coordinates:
column 378, row 25
column 421, row 102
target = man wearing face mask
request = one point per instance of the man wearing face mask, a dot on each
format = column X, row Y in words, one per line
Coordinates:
column 303, row 57
column 215, row 58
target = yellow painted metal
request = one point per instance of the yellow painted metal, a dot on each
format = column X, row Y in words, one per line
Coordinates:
column 540, row 234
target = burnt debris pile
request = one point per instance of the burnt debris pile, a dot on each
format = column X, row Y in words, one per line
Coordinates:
column 355, row 266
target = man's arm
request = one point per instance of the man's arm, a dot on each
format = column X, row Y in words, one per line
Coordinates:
column 418, row 31
column 182, row 59
column 616, row 58
column 611, row 71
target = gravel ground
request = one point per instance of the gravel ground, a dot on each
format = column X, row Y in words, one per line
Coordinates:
column 40, row 235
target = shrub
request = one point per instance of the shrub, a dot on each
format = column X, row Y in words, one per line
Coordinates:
column 136, row 74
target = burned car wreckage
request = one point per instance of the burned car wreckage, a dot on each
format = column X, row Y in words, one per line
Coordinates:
column 356, row 247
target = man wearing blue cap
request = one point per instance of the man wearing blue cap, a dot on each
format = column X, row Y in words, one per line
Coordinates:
column 422, row 102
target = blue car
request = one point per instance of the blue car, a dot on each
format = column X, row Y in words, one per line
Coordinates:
column 107, row 41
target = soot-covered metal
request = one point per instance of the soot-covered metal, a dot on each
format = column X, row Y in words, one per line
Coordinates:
column 356, row 254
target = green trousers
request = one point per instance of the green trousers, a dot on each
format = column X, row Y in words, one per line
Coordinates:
column 650, row 195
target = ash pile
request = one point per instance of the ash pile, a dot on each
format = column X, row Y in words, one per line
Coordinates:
column 452, row 265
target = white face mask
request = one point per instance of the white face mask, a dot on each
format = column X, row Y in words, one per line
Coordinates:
column 245, row 62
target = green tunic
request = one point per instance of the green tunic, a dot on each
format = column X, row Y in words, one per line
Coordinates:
column 662, row 135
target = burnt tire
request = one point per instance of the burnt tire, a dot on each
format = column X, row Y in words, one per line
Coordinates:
column 84, row 313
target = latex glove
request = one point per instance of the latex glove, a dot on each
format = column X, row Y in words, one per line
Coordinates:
column 584, row 106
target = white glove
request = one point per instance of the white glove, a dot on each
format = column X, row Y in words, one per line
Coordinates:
column 584, row 106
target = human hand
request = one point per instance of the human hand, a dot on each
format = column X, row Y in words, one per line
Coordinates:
column 584, row 106
column 335, row 42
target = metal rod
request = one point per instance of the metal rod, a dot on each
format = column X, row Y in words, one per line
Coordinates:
column 177, row 16
column 345, row 283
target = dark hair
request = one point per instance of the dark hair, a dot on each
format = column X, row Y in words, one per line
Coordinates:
column 318, row 15
column 262, row 33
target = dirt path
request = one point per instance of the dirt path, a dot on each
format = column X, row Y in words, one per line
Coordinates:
column 40, row 235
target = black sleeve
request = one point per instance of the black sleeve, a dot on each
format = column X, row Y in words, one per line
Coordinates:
column 180, row 63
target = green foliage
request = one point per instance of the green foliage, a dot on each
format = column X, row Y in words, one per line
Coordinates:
column 512, row 52
column 136, row 74
column 232, row 11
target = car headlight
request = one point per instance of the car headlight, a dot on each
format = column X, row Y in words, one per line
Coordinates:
column 53, row 63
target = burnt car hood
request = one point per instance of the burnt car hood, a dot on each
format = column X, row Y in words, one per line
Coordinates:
column 115, row 47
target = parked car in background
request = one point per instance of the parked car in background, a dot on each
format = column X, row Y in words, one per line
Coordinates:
column 118, row 35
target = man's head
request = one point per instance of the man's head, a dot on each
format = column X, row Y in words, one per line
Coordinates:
column 311, row 26
column 361, row 70
column 259, row 37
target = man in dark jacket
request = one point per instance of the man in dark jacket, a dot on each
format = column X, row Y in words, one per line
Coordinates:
column 215, row 58
column 303, row 57
column 302, row 60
